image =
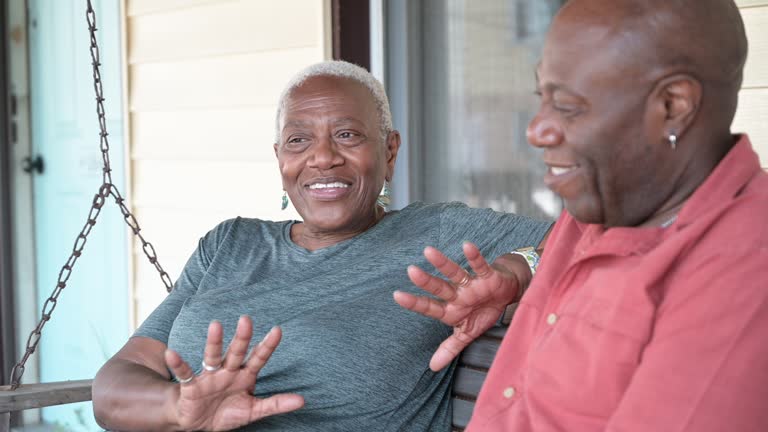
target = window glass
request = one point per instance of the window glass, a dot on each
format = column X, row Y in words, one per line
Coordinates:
column 477, row 84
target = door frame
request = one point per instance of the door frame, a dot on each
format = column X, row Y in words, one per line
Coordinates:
column 19, row 200
column 7, row 337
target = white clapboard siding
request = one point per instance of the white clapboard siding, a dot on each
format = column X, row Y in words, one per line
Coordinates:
column 240, row 134
column 203, row 81
column 752, row 114
column 226, row 185
column 751, row 3
column 250, row 79
column 756, row 70
column 163, row 36
column 752, row 118
column 140, row 7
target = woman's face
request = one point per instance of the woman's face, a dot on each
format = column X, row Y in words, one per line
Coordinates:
column 332, row 157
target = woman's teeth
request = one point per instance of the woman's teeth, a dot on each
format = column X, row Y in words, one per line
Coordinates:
column 328, row 185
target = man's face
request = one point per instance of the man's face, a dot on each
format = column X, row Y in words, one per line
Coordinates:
column 592, row 125
column 331, row 155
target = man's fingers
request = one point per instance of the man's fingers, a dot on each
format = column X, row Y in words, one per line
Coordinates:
column 178, row 367
column 476, row 260
column 419, row 304
column 448, row 268
column 238, row 348
column 449, row 350
column 263, row 351
column 432, row 284
column 213, row 345
column 277, row 404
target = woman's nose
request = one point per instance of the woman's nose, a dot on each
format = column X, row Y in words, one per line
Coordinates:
column 325, row 154
column 544, row 131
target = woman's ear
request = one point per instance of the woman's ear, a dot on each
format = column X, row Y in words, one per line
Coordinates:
column 393, row 146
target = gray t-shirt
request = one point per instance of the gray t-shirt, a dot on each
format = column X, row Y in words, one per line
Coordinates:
column 360, row 361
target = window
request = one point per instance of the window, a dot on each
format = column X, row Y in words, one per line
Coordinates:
column 461, row 78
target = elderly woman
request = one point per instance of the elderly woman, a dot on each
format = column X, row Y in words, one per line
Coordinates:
column 351, row 358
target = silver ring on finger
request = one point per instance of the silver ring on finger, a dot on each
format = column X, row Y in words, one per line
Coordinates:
column 211, row 368
column 186, row 380
column 485, row 274
column 465, row 280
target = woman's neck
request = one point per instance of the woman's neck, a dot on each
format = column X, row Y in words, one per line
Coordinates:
column 312, row 238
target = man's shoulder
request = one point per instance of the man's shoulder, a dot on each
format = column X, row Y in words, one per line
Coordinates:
column 742, row 222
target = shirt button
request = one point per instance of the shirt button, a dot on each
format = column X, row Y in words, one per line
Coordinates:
column 509, row 392
column 552, row 318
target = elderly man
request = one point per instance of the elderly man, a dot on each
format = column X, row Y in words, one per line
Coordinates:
column 649, row 311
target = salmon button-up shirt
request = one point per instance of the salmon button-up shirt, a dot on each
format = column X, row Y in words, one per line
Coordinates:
column 645, row 329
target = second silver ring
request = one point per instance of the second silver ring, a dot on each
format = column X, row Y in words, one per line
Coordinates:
column 211, row 368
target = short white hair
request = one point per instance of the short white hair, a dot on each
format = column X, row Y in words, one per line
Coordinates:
column 340, row 69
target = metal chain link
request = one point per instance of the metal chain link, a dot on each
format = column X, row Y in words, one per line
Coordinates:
column 106, row 190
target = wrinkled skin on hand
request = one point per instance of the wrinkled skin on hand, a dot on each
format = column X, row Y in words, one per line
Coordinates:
column 471, row 304
column 222, row 399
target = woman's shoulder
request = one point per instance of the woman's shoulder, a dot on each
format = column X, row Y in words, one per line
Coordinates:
column 435, row 208
column 239, row 229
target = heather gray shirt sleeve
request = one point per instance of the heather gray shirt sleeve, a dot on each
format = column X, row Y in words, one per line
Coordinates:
column 158, row 325
column 495, row 233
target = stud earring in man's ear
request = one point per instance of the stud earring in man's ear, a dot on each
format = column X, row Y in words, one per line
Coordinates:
column 673, row 141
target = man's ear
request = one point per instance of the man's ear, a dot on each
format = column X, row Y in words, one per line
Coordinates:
column 678, row 101
column 393, row 146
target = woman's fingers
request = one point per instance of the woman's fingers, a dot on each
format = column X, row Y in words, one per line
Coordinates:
column 476, row 260
column 432, row 284
column 212, row 358
column 420, row 304
column 448, row 350
column 238, row 348
column 277, row 404
column 263, row 351
column 178, row 367
column 457, row 275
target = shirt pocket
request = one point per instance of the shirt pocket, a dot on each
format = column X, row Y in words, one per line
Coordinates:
column 586, row 357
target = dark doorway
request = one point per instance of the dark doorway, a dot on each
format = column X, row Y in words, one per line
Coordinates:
column 351, row 32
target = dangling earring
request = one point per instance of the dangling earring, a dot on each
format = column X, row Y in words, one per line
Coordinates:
column 285, row 201
column 384, row 197
column 673, row 141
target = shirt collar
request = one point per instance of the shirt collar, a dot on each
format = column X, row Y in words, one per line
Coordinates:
column 725, row 182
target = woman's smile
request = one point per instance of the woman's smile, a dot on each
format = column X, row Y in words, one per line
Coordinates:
column 328, row 190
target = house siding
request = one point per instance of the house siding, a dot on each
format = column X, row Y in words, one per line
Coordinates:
column 752, row 115
column 204, row 77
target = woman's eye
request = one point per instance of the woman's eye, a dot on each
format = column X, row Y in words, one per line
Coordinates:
column 349, row 138
column 296, row 143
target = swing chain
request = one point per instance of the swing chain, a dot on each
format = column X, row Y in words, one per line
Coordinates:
column 106, row 190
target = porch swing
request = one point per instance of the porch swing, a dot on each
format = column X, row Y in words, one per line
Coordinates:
column 473, row 365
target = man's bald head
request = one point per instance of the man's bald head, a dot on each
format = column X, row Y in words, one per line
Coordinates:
column 702, row 38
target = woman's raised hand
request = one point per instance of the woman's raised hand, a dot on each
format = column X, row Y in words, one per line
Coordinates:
column 221, row 397
column 470, row 303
